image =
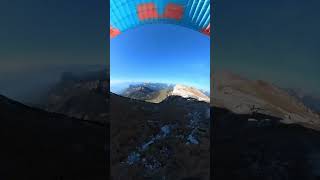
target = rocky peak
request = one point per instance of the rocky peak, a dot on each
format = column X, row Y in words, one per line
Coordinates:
column 189, row 92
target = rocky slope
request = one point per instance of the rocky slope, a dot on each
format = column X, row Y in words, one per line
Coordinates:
column 169, row 140
column 189, row 92
column 244, row 96
column 262, row 132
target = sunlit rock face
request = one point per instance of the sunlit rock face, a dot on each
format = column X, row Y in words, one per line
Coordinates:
column 245, row 96
column 189, row 92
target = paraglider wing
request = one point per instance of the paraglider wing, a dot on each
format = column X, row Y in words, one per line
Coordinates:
column 127, row 14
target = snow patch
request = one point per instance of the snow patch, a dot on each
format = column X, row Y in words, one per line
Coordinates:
column 192, row 140
column 165, row 130
column 133, row 158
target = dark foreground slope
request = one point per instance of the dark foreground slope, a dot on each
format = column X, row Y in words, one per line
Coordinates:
column 169, row 140
column 260, row 147
column 39, row 145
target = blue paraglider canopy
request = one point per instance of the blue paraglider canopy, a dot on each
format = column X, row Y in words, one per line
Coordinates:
column 127, row 14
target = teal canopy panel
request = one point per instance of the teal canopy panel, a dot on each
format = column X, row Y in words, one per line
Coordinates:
column 127, row 14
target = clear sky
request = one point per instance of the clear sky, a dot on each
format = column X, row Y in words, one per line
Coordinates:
column 161, row 53
column 275, row 40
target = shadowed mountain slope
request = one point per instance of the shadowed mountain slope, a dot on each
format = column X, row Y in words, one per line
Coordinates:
column 39, row 145
column 262, row 132
column 83, row 96
column 261, row 147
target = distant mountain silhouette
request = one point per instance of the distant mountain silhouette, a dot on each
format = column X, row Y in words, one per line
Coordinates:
column 83, row 97
column 309, row 100
column 140, row 92
column 87, row 76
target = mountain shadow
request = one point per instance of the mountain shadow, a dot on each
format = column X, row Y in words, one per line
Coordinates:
column 36, row 144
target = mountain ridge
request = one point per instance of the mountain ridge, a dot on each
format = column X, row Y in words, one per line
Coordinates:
column 146, row 92
column 241, row 95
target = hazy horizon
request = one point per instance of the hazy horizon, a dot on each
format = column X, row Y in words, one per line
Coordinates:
column 28, row 85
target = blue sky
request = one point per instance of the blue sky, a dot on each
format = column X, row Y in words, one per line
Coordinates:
column 161, row 53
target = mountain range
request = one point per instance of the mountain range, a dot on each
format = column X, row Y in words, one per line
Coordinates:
column 157, row 92
column 258, row 131
column 161, row 133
